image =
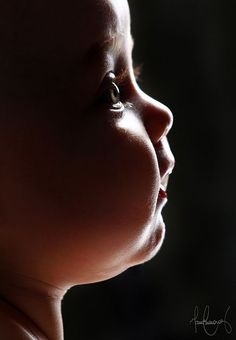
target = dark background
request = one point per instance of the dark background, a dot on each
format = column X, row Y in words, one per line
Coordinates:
column 188, row 51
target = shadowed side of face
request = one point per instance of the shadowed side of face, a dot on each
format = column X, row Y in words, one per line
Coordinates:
column 83, row 150
column 44, row 44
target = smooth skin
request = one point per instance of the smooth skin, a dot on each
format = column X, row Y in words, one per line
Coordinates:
column 83, row 153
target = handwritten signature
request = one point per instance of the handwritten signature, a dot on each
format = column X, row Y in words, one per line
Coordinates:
column 207, row 324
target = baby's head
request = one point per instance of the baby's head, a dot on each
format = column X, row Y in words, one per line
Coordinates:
column 84, row 155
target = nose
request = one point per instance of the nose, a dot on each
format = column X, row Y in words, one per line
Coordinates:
column 157, row 118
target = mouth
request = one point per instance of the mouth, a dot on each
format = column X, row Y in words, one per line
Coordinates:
column 166, row 163
column 163, row 192
column 162, row 199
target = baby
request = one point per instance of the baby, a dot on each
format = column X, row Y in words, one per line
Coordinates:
column 84, row 158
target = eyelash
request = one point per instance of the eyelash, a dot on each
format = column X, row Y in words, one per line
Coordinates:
column 122, row 77
column 120, row 82
column 138, row 72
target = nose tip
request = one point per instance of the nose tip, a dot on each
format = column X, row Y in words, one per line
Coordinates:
column 157, row 118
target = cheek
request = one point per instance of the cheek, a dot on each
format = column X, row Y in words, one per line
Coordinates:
column 114, row 178
column 111, row 201
column 112, row 197
column 92, row 192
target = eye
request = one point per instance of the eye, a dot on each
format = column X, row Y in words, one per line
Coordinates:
column 114, row 93
column 110, row 94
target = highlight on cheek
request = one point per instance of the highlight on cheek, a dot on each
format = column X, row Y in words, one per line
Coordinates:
column 131, row 123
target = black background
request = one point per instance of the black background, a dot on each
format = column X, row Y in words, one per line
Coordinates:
column 188, row 51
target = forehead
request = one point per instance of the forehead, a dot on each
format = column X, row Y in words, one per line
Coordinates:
column 52, row 26
column 44, row 43
column 107, row 17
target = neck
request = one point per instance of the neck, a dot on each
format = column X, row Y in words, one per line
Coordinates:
column 36, row 303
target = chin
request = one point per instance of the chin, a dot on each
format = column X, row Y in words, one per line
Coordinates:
column 152, row 245
column 145, row 254
column 103, row 275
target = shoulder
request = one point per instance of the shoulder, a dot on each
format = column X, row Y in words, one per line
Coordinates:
column 12, row 328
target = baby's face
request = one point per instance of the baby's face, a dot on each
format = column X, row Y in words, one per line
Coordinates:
column 85, row 155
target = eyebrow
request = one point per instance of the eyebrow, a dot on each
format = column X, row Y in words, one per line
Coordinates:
column 98, row 48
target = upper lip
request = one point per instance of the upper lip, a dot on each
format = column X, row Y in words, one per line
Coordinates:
column 165, row 159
